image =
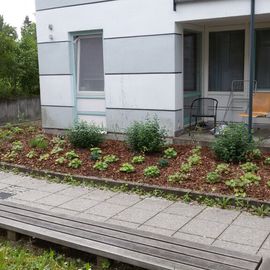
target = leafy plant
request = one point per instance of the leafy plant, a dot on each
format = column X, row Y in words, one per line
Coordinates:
column 185, row 168
column 44, row 157
column 261, row 211
column 57, row 149
column 17, row 146
column 60, row 161
column 223, row 202
column 110, row 159
column 163, row 163
column 101, row 166
column 96, row 153
column 222, row 168
column 31, row 154
column 151, row 171
column 268, row 184
column 177, row 177
column 138, row 159
column 255, row 154
column 233, row 144
column 105, row 264
column 267, row 161
column 127, row 168
column 146, row 136
column 194, row 160
column 59, row 141
column 16, row 130
column 84, row 135
column 39, row 142
column 249, row 167
column 10, row 156
column 213, row 177
column 196, row 150
column 170, row 153
column 75, row 163
column 71, row 155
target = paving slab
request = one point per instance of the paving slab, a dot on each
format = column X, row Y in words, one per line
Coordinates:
column 31, row 195
column 54, row 200
column 205, row 228
column 31, row 204
column 106, row 209
column 244, row 235
column 153, row 204
column 237, row 247
column 168, row 221
column 74, row 192
column 4, row 175
column 123, row 223
column 91, row 217
column 13, row 180
column 248, row 220
column 52, row 187
column 266, row 244
column 3, row 186
column 194, row 238
column 183, row 209
column 135, row 215
column 124, row 199
column 219, row 215
column 99, row 195
column 264, row 253
column 67, row 212
column 79, row 205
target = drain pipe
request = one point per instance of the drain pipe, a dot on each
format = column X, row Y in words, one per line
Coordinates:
column 252, row 68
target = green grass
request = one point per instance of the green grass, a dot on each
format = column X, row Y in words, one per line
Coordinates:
column 24, row 256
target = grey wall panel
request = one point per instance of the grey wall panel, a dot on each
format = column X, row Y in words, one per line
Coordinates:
column 119, row 120
column 54, row 58
column 57, row 117
column 144, row 54
column 48, row 4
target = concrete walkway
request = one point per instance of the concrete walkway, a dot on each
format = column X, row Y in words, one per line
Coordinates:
column 229, row 229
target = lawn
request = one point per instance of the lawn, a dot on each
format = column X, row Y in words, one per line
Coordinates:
column 189, row 166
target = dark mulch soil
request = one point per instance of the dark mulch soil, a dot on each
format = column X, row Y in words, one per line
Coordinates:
column 195, row 182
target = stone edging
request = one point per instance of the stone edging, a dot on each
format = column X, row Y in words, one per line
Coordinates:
column 130, row 185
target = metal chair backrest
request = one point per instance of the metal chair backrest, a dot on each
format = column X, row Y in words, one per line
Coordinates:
column 204, row 107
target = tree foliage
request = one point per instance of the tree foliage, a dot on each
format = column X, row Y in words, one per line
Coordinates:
column 18, row 60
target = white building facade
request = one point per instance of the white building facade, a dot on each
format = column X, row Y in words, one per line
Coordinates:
column 116, row 61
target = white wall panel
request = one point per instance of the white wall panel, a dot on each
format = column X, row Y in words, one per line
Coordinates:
column 117, row 18
column 147, row 91
column 98, row 120
column 56, row 90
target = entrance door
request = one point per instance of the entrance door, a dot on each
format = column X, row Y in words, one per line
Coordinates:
column 192, row 70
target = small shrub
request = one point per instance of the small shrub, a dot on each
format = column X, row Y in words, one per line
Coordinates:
column 233, row 145
column 268, row 183
column 10, row 156
column 127, row 168
column 213, row 177
column 151, row 171
column 110, row 159
column 261, row 211
column 57, row 149
column 196, row 150
column 249, row 167
column 146, row 136
column 44, row 157
column 177, row 177
column 71, row 155
column 222, row 168
column 185, row 168
column 163, row 163
column 31, row 154
column 138, row 159
column 17, row 146
column 170, row 153
column 39, row 142
column 95, row 154
column 59, row 141
column 267, row 161
column 194, row 160
column 75, row 163
column 84, row 135
column 255, row 154
column 101, row 166
column 16, row 130
column 60, row 161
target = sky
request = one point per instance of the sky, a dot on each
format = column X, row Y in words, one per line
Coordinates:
column 14, row 11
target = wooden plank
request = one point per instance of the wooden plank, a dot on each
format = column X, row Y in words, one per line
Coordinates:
column 146, row 235
column 157, row 251
column 140, row 248
column 122, row 255
column 206, row 256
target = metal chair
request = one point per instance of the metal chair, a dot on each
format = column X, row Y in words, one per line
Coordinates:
column 203, row 107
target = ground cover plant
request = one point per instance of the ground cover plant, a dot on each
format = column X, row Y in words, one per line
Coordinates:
column 194, row 167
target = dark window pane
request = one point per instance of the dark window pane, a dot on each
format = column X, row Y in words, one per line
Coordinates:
column 263, row 58
column 190, row 62
column 226, row 59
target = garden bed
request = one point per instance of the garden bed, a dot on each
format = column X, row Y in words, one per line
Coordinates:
column 195, row 179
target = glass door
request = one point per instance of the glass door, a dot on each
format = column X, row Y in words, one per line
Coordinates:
column 192, row 70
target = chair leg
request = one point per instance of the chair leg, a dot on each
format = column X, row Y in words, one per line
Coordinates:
column 215, row 124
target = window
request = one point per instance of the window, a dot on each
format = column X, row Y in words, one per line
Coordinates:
column 263, row 58
column 90, row 70
column 191, row 80
column 226, row 59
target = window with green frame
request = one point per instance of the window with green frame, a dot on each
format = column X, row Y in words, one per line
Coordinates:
column 262, row 74
column 226, row 59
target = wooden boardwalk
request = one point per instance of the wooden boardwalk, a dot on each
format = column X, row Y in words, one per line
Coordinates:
column 142, row 249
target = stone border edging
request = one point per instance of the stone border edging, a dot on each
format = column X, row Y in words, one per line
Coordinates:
column 146, row 187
